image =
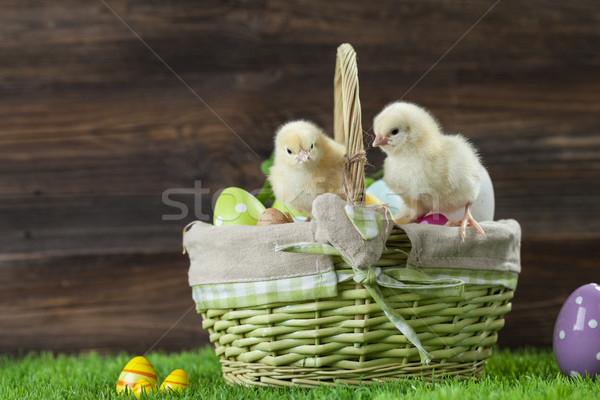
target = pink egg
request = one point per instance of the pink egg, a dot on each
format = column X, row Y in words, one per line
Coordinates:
column 577, row 333
column 433, row 219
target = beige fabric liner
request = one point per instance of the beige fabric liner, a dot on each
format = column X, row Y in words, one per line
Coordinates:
column 238, row 253
column 228, row 254
column 436, row 246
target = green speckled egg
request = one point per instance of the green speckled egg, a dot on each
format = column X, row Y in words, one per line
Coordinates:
column 236, row 206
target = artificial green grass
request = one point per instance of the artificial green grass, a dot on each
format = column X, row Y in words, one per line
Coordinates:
column 524, row 374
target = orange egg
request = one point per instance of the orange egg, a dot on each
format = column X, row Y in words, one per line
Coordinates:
column 135, row 370
column 142, row 386
column 176, row 381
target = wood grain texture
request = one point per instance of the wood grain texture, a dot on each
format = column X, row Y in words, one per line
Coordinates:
column 109, row 303
column 94, row 128
column 553, row 267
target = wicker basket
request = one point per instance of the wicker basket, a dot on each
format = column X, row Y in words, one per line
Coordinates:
column 349, row 339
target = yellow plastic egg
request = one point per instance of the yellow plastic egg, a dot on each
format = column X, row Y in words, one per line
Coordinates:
column 142, row 386
column 137, row 368
column 371, row 200
column 236, row 206
column 383, row 193
column 176, row 381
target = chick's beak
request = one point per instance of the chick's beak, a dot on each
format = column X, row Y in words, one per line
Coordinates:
column 302, row 155
column 380, row 141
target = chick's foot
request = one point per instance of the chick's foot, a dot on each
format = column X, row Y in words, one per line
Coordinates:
column 466, row 221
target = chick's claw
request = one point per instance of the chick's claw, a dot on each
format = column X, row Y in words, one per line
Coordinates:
column 466, row 221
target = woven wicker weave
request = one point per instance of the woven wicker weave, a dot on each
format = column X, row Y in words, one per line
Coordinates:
column 348, row 339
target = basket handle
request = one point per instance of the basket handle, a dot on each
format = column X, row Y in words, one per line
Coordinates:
column 347, row 124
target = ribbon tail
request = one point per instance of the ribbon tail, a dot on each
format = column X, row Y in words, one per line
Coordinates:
column 420, row 283
column 399, row 322
column 309, row 248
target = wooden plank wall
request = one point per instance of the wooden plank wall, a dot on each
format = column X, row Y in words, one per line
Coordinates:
column 101, row 113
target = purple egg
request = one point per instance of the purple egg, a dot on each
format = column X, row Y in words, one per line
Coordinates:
column 577, row 334
column 433, row 219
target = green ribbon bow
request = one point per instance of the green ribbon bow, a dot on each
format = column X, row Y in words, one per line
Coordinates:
column 373, row 278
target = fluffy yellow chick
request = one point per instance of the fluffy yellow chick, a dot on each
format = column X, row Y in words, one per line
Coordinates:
column 429, row 170
column 307, row 163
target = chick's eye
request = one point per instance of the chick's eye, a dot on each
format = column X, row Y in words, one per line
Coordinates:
column 288, row 151
column 395, row 131
column 312, row 146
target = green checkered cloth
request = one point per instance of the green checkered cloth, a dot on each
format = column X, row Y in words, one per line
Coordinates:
column 467, row 276
column 367, row 222
column 248, row 294
column 474, row 276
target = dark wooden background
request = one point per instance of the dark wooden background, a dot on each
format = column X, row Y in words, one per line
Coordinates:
column 94, row 127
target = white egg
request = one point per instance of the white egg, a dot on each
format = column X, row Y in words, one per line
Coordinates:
column 484, row 206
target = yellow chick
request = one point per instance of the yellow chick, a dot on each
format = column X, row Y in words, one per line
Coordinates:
column 429, row 170
column 307, row 163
